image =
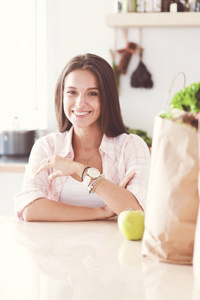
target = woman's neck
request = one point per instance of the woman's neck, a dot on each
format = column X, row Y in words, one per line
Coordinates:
column 86, row 139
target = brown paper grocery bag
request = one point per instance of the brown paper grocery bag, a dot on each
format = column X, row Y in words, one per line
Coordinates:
column 172, row 197
column 196, row 256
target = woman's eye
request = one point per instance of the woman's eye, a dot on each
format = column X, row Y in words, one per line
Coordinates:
column 93, row 94
column 71, row 92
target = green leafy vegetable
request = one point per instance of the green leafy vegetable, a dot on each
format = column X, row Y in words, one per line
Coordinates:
column 187, row 99
column 166, row 115
column 142, row 134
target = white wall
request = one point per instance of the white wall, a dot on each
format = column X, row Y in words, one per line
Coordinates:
column 76, row 27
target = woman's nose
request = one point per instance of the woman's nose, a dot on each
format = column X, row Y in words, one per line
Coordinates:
column 80, row 100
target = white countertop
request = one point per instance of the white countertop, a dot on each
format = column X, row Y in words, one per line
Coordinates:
column 83, row 261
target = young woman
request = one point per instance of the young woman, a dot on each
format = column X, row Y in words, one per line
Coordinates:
column 91, row 169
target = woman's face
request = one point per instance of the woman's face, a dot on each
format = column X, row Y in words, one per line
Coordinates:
column 81, row 99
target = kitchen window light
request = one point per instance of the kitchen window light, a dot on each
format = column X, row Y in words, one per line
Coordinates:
column 23, row 64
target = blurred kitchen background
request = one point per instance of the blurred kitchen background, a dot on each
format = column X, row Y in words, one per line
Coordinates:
column 38, row 37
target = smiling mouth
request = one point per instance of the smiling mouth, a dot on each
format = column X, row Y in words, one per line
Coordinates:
column 80, row 113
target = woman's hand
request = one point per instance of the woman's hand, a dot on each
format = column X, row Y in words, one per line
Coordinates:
column 126, row 179
column 107, row 212
column 64, row 166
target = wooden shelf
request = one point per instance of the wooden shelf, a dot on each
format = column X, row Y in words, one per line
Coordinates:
column 164, row 19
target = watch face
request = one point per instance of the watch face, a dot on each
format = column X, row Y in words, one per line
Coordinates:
column 94, row 173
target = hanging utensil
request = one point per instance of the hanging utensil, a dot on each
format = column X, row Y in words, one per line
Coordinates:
column 141, row 77
column 126, row 55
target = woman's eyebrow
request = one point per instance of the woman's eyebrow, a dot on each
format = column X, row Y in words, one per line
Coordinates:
column 70, row 87
column 93, row 88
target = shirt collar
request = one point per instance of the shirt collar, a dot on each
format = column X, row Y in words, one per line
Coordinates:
column 66, row 149
column 108, row 146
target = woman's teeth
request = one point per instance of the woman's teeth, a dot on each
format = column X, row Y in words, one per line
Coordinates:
column 81, row 113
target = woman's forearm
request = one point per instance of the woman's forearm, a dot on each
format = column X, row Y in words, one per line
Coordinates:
column 117, row 197
column 52, row 211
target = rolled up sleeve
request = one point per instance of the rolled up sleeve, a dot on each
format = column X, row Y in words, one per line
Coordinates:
column 34, row 186
column 137, row 158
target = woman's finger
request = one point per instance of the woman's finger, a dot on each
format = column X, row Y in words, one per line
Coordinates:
column 64, row 166
column 43, row 165
column 55, row 175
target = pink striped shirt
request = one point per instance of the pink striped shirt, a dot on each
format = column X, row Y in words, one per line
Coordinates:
column 120, row 156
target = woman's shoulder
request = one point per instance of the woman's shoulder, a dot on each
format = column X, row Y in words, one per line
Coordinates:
column 126, row 146
column 52, row 137
column 52, row 142
column 131, row 143
column 125, row 138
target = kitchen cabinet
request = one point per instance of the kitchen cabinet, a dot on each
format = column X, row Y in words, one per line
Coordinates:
column 11, row 183
column 164, row 19
column 11, row 179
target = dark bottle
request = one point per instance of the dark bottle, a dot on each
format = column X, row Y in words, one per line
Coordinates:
column 181, row 6
column 197, row 5
column 187, row 5
column 165, row 5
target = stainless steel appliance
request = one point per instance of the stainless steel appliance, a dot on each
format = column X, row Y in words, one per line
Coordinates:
column 16, row 142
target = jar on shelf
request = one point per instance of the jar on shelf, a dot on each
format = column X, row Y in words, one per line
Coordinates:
column 124, row 6
column 173, row 7
column 176, row 6
column 192, row 5
column 157, row 5
column 148, row 5
column 129, row 6
column 197, row 5
column 187, row 5
column 132, row 5
column 140, row 6
column 117, row 6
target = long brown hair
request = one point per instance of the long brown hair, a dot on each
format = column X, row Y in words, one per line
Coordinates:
column 110, row 118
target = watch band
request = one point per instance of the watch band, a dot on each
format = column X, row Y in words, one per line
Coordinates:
column 87, row 180
column 84, row 172
column 92, row 187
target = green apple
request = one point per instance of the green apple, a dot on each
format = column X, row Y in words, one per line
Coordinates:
column 131, row 224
